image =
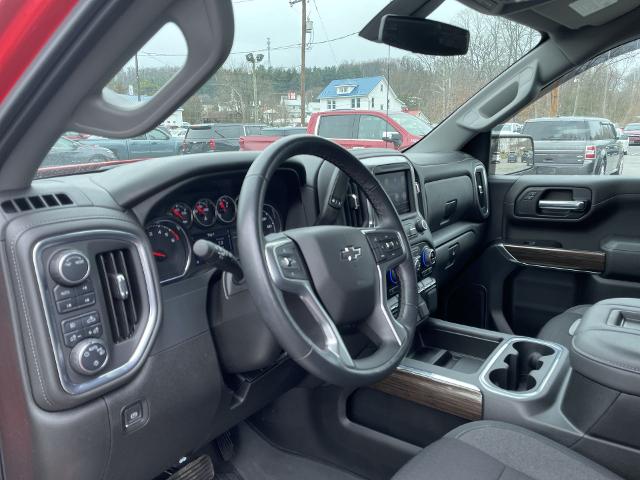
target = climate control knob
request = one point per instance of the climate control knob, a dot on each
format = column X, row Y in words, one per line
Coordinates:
column 427, row 257
column 69, row 267
column 421, row 225
column 89, row 356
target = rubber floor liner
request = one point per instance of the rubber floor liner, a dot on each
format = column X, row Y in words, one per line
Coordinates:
column 199, row 469
column 257, row 459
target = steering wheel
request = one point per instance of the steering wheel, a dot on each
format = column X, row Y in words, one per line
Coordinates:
column 308, row 282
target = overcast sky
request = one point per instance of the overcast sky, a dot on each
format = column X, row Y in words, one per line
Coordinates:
column 257, row 20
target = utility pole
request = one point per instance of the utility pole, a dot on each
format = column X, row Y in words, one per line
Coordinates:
column 303, row 48
column 269, row 52
column 254, row 60
column 137, row 79
column 555, row 102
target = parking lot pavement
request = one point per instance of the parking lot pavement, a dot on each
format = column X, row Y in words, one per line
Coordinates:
column 632, row 162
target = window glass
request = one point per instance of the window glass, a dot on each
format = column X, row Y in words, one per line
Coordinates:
column 199, row 133
column 253, row 129
column 574, row 125
column 373, row 128
column 336, row 126
column 228, row 131
column 156, row 134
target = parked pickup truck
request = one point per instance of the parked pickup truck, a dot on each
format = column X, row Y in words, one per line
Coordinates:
column 358, row 129
column 267, row 136
column 156, row 143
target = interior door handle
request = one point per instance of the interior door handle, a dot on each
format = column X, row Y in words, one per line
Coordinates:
column 563, row 205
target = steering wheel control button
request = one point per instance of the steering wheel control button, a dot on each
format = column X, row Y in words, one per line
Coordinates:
column 69, row 267
column 386, row 246
column 89, row 356
column 290, row 262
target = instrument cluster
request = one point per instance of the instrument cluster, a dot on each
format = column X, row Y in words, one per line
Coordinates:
column 182, row 222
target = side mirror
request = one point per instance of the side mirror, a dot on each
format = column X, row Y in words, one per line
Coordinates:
column 393, row 137
column 420, row 35
column 511, row 154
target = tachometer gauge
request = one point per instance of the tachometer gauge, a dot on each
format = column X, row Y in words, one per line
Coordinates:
column 275, row 216
column 181, row 212
column 204, row 212
column 268, row 225
column 171, row 249
column 226, row 209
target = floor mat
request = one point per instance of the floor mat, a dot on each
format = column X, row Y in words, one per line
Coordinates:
column 257, row 459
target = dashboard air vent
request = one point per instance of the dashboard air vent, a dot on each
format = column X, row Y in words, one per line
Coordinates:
column 354, row 207
column 121, row 298
column 36, row 202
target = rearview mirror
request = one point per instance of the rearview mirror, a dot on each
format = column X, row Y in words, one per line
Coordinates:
column 420, row 35
column 511, row 154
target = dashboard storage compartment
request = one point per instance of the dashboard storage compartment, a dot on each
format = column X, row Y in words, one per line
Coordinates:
column 462, row 352
column 521, row 366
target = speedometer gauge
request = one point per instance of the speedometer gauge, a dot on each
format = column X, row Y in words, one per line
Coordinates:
column 275, row 216
column 268, row 225
column 204, row 211
column 226, row 209
column 171, row 249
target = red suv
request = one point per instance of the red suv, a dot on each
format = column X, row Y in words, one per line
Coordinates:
column 369, row 128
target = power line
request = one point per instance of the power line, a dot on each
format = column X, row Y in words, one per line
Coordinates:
column 324, row 29
column 281, row 47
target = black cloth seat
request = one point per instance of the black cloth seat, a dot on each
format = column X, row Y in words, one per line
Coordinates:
column 499, row 451
column 560, row 329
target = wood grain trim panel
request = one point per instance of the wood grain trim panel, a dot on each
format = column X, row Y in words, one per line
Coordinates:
column 434, row 392
column 581, row 260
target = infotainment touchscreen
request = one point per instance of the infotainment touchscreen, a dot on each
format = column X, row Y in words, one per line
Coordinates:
column 396, row 184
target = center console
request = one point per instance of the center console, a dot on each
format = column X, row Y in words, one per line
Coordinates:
column 396, row 176
column 586, row 397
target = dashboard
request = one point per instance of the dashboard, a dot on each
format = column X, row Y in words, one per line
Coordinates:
column 166, row 338
column 207, row 209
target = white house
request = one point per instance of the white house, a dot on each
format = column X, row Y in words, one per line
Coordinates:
column 291, row 105
column 368, row 93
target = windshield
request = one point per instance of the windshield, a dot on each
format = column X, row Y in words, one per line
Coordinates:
column 411, row 123
column 632, row 126
column 260, row 84
column 557, row 130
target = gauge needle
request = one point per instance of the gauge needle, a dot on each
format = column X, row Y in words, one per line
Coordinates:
column 200, row 209
column 159, row 255
column 177, row 213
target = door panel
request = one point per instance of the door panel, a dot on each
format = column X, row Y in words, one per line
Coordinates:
column 539, row 262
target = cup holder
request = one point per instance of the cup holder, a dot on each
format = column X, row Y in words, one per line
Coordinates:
column 516, row 373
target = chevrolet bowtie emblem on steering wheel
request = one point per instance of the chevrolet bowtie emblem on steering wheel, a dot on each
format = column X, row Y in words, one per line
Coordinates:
column 350, row 253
